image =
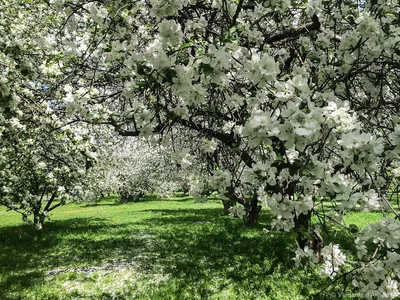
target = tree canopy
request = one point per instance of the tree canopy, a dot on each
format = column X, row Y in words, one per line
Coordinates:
column 293, row 104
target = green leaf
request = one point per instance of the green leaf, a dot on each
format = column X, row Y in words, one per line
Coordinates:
column 25, row 72
column 353, row 228
column 293, row 169
column 186, row 45
column 107, row 48
column 207, row 69
column 169, row 74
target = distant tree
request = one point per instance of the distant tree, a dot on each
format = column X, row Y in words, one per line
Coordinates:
column 133, row 169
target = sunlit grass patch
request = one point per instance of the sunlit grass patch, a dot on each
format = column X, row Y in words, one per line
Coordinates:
column 152, row 249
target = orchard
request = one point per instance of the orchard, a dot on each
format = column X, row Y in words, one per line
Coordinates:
column 285, row 108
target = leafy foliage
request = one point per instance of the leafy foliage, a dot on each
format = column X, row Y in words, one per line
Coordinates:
column 291, row 104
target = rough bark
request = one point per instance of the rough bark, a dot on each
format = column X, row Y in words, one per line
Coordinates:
column 254, row 211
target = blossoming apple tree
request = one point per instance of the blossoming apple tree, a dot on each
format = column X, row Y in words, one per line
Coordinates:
column 43, row 160
column 303, row 94
column 134, row 169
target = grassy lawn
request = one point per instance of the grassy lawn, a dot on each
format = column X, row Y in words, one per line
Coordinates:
column 154, row 249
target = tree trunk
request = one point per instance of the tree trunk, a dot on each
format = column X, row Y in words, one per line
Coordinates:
column 126, row 197
column 38, row 219
column 253, row 212
column 139, row 196
column 253, row 216
column 302, row 225
column 186, row 190
column 227, row 204
column 302, row 221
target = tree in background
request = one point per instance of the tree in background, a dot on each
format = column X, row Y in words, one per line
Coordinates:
column 40, row 168
column 133, row 168
column 43, row 159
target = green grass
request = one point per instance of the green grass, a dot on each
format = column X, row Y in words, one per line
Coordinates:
column 154, row 249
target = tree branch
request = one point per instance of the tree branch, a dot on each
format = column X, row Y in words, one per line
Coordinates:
column 315, row 24
column 237, row 12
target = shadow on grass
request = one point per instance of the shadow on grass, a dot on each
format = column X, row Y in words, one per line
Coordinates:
column 175, row 198
column 106, row 201
column 178, row 217
column 193, row 247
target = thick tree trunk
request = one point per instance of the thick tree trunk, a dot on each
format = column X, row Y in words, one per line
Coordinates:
column 253, row 216
column 253, row 212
